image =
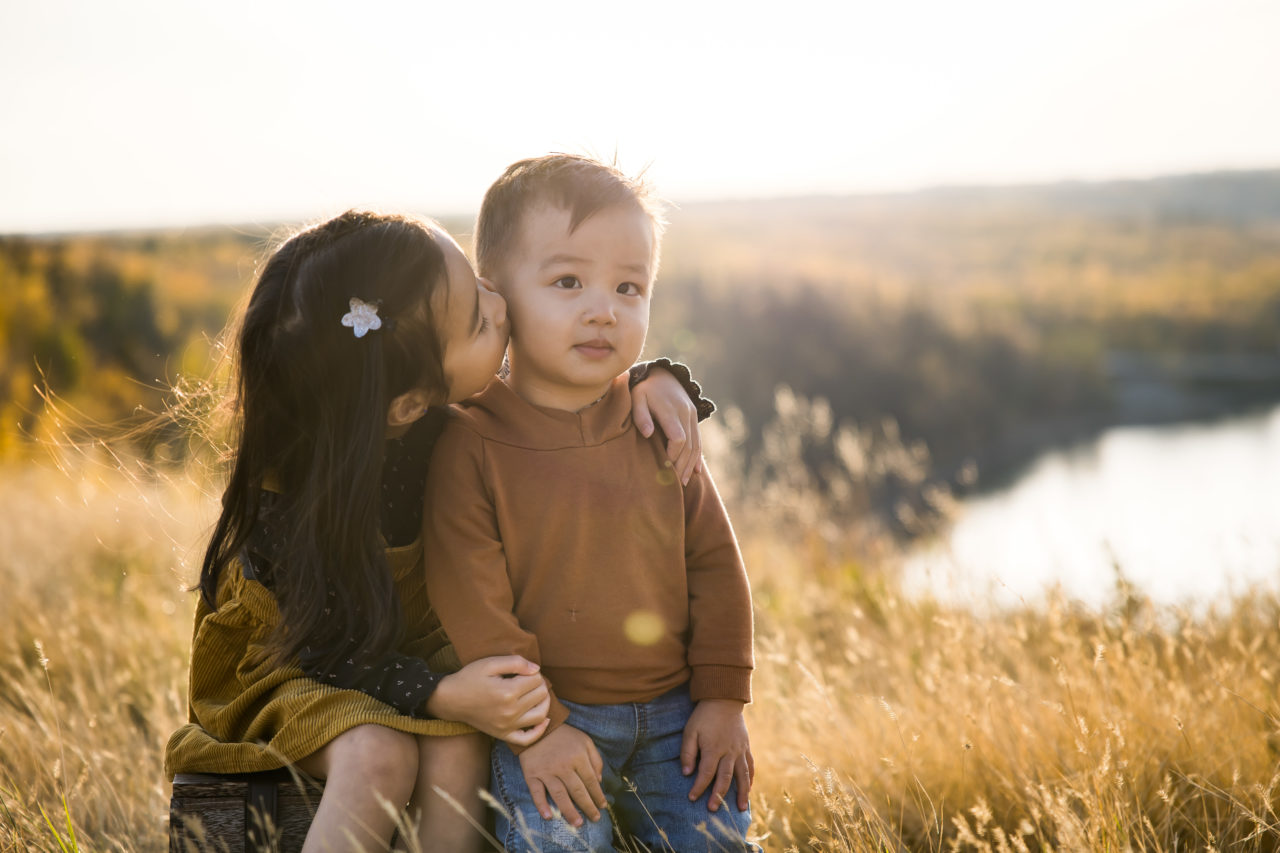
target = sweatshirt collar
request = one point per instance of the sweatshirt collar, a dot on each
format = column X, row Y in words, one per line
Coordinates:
column 500, row 414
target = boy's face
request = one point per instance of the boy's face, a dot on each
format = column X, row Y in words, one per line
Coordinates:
column 578, row 302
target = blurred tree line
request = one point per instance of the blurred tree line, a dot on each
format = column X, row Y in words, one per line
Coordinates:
column 987, row 323
column 108, row 322
column 981, row 322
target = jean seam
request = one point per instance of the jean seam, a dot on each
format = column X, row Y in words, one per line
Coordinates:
column 508, row 802
column 642, row 727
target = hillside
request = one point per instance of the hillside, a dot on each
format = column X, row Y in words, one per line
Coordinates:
column 984, row 321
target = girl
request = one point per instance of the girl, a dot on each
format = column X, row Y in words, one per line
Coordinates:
column 356, row 333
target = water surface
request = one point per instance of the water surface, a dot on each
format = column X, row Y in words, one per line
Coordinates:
column 1189, row 514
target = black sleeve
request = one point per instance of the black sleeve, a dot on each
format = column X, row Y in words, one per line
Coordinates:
column 403, row 682
column 640, row 372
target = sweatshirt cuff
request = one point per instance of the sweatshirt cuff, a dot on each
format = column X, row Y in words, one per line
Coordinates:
column 559, row 713
column 640, row 372
column 720, row 682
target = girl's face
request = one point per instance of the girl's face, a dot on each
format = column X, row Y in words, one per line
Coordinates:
column 473, row 325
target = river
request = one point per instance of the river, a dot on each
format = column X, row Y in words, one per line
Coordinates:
column 1189, row 514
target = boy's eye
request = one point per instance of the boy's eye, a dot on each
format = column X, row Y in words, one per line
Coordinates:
column 484, row 324
column 568, row 282
column 629, row 288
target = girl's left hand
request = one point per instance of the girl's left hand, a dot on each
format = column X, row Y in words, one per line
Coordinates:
column 661, row 397
column 504, row 697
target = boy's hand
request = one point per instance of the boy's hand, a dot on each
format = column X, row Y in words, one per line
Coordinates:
column 661, row 397
column 566, row 767
column 504, row 697
column 716, row 738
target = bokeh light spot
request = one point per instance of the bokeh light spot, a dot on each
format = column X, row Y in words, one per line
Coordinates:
column 643, row 627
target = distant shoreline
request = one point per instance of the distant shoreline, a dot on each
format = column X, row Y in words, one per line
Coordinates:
column 1002, row 462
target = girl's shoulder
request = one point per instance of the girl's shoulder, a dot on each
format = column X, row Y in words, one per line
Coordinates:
column 404, row 475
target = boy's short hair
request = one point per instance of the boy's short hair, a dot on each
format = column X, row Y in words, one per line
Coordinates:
column 578, row 184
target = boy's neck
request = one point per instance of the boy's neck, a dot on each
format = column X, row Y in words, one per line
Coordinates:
column 554, row 396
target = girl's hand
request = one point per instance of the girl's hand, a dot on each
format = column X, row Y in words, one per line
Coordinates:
column 661, row 397
column 504, row 697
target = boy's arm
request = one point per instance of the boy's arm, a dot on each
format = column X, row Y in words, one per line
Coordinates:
column 715, row 742
column 720, row 637
column 467, row 581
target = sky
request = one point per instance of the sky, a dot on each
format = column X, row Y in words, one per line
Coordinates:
column 134, row 113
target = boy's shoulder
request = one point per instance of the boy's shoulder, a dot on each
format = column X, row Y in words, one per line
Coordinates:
column 481, row 411
column 494, row 414
column 498, row 414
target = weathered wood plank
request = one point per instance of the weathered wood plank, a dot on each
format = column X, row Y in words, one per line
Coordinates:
column 210, row 814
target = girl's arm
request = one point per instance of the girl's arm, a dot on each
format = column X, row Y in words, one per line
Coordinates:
column 665, row 391
column 501, row 696
column 504, row 697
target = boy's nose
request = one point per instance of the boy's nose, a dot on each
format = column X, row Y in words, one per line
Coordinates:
column 599, row 310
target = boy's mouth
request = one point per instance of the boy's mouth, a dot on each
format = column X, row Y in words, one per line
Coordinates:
column 595, row 348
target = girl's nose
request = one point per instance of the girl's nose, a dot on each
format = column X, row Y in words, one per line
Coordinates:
column 497, row 305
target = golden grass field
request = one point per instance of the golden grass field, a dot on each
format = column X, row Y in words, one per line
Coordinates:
column 881, row 721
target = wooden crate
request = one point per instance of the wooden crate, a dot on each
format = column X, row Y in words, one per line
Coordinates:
column 241, row 814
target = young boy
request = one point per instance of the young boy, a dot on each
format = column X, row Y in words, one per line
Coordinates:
column 558, row 532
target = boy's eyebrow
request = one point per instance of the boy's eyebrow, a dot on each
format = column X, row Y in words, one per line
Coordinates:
column 562, row 259
column 555, row 260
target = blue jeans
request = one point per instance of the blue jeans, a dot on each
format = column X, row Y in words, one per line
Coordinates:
column 648, row 795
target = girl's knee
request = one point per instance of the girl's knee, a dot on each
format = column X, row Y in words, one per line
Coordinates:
column 461, row 757
column 461, row 747
column 383, row 756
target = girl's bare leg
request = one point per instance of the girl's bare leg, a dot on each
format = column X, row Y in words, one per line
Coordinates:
column 362, row 768
column 459, row 766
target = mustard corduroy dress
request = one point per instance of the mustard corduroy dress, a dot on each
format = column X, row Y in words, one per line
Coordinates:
column 247, row 715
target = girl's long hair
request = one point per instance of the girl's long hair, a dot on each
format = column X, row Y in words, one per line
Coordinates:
column 312, row 402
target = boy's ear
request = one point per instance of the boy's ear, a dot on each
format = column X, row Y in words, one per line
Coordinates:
column 407, row 408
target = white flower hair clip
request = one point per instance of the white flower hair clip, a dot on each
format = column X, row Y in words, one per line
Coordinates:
column 362, row 317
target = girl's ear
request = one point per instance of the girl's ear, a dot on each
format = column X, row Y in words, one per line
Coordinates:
column 407, row 408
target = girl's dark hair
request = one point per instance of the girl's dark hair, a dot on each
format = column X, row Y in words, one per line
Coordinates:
column 312, row 402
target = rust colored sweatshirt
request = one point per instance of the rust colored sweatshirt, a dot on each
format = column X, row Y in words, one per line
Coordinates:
column 564, row 537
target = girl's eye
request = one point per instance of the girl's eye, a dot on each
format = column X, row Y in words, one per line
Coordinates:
column 568, row 282
column 484, row 324
column 629, row 288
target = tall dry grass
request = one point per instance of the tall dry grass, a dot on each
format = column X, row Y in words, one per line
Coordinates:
column 94, row 629
column 881, row 722
column 887, row 721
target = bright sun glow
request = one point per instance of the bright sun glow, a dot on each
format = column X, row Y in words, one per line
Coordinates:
column 147, row 112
